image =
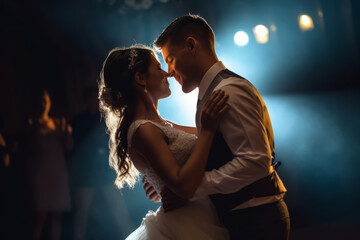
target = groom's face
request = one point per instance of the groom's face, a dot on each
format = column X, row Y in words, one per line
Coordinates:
column 181, row 65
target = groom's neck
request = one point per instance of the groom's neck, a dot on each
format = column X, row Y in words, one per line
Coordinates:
column 205, row 63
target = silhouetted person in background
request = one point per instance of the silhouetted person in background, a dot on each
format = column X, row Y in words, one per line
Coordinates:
column 4, row 152
column 11, row 186
column 92, row 176
column 46, row 171
column 4, row 165
column 5, row 158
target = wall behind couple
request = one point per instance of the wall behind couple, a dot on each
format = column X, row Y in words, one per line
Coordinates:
column 308, row 80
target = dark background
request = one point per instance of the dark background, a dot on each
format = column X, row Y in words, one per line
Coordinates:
column 309, row 80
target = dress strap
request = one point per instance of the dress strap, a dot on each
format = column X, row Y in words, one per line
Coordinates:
column 136, row 124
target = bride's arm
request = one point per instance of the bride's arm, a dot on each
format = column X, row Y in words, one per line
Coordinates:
column 183, row 180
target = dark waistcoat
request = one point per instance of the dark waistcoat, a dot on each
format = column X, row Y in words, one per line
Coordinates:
column 221, row 154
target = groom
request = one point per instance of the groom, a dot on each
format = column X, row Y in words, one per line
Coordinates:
column 240, row 178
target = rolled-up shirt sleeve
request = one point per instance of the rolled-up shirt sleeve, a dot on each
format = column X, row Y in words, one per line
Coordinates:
column 244, row 130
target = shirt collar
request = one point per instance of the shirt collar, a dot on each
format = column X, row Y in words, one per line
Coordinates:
column 209, row 77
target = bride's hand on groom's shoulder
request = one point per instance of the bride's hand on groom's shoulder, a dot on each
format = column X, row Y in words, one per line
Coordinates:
column 213, row 110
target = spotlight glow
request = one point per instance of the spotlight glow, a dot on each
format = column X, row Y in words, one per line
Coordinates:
column 241, row 38
column 261, row 34
column 180, row 107
column 305, row 23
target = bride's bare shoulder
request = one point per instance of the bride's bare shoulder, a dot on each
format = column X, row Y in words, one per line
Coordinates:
column 147, row 133
column 187, row 129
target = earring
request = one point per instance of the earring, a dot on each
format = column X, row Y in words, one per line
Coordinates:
column 145, row 90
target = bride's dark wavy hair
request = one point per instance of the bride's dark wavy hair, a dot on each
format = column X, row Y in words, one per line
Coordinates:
column 117, row 103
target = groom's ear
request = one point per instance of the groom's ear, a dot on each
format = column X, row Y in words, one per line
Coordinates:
column 139, row 79
column 191, row 45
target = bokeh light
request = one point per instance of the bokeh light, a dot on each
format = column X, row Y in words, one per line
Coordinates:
column 306, row 23
column 241, row 38
column 261, row 34
column 273, row 27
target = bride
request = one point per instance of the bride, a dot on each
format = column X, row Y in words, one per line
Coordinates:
column 170, row 156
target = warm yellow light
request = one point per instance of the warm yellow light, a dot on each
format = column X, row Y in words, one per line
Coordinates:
column 261, row 34
column 306, row 23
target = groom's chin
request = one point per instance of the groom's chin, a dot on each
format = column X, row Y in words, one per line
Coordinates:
column 187, row 89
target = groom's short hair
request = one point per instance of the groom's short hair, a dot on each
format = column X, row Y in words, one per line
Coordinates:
column 187, row 26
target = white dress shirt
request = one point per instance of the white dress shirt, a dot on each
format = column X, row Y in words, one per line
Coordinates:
column 244, row 130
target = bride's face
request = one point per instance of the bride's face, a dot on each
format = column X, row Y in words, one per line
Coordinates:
column 157, row 83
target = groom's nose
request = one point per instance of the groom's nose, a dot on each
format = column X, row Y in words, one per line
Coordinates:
column 166, row 74
column 171, row 71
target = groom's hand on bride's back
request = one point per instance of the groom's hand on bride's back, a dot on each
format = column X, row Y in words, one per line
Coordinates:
column 170, row 200
column 150, row 191
column 213, row 110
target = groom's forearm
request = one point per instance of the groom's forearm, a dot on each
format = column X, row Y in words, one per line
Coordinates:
column 231, row 177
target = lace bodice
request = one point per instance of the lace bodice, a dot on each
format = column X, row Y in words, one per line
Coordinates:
column 181, row 145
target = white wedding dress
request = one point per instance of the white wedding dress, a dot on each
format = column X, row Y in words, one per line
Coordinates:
column 197, row 220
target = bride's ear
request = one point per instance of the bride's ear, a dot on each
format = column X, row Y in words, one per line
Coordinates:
column 139, row 79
